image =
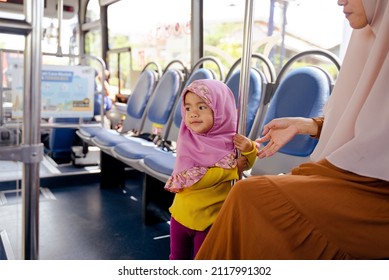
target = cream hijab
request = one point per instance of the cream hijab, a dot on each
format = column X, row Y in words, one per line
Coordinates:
column 355, row 134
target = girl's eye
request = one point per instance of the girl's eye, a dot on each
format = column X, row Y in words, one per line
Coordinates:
column 187, row 109
column 202, row 107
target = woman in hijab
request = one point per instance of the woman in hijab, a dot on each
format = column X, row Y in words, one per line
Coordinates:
column 337, row 206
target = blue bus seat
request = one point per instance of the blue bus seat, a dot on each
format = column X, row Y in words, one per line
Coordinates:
column 108, row 103
column 133, row 154
column 61, row 140
column 156, row 116
column 160, row 165
column 135, row 109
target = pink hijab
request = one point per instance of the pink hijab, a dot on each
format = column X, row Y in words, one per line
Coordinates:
column 198, row 152
column 356, row 127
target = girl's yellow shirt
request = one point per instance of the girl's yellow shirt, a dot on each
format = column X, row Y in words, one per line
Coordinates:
column 197, row 206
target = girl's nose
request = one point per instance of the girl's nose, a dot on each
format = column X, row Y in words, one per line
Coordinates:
column 194, row 114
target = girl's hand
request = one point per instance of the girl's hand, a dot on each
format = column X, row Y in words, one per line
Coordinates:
column 242, row 143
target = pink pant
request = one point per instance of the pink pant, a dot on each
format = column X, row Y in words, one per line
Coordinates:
column 184, row 242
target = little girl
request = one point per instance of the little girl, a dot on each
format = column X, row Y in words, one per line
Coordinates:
column 206, row 163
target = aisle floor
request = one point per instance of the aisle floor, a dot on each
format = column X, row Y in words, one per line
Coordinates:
column 81, row 221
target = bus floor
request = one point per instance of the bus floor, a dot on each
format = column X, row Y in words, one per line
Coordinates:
column 78, row 220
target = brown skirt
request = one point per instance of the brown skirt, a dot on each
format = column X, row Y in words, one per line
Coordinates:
column 317, row 212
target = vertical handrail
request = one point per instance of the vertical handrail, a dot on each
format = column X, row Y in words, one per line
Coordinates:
column 60, row 16
column 1, row 88
column 245, row 67
column 33, row 11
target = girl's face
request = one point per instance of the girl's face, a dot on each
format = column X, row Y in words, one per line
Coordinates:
column 198, row 115
column 354, row 12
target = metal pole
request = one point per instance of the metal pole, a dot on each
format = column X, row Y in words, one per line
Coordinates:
column 60, row 16
column 31, row 130
column 1, row 88
column 270, row 25
column 245, row 67
column 197, row 28
column 285, row 7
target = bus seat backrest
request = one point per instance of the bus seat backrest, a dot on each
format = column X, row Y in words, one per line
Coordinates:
column 138, row 99
column 160, row 107
column 303, row 92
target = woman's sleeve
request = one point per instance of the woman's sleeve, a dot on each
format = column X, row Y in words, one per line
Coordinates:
column 319, row 122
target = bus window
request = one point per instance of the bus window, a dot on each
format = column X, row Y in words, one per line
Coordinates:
column 153, row 35
column 93, row 41
column 92, row 11
column 280, row 28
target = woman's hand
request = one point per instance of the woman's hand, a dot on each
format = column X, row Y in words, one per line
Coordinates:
column 280, row 131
